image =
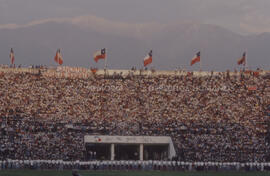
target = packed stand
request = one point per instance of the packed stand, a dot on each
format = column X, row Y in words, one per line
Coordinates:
column 215, row 118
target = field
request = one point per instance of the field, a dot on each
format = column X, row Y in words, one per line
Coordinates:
column 127, row 173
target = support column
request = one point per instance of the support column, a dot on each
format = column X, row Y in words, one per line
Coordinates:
column 112, row 152
column 141, row 152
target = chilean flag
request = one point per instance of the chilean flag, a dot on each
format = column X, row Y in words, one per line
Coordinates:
column 196, row 58
column 11, row 56
column 242, row 60
column 58, row 57
column 148, row 59
column 101, row 54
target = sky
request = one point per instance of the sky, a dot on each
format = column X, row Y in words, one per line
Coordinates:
column 139, row 23
column 240, row 16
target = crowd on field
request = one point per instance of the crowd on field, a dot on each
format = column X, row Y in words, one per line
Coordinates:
column 221, row 118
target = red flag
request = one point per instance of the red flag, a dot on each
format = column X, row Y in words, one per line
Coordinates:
column 148, row 59
column 256, row 73
column 196, row 58
column 242, row 60
column 94, row 70
column 101, row 54
column 11, row 56
column 248, row 71
column 252, row 88
column 58, row 57
column 189, row 73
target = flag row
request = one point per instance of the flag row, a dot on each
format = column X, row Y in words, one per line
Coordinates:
column 148, row 59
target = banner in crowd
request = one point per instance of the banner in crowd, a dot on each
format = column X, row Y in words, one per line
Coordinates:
column 69, row 72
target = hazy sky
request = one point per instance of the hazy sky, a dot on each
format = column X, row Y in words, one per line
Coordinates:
column 242, row 16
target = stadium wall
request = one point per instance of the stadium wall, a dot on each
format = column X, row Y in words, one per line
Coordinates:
column 133, row 140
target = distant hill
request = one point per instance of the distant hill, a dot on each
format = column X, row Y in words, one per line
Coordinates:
column 173, row 45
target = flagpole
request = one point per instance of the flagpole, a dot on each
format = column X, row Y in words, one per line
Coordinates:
column 105, row 63
column 54, row 65
column 246, row 64
column 200, row 64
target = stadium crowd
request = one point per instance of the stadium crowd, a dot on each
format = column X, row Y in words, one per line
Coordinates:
column 215, row 118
